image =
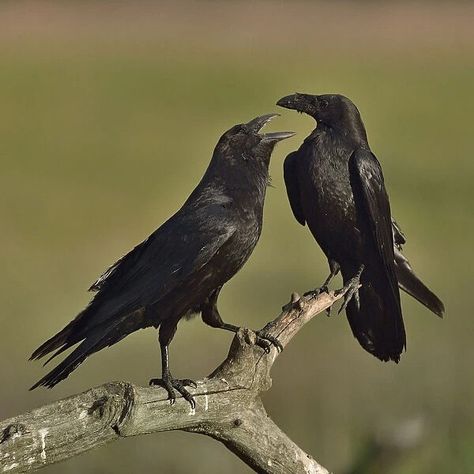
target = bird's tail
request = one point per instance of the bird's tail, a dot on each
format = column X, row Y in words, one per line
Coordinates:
column 94, row 337
column 409, row 282
column 377, row 321
column 101, row 336
column 87, row 347
column 64, row 339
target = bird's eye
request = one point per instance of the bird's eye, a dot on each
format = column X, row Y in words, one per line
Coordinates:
column 323, row 103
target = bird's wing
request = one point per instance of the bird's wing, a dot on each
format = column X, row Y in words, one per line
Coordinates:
column 167, row 259
column 377, row 322
column 180, row 247
column 292, row 186
column 127, row 259
column 367, row 177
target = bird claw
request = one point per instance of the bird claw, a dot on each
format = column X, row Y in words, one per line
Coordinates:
column 351, row 290
column 170, row 385
column 350, row 293
column 317, row 291
column 266, row 341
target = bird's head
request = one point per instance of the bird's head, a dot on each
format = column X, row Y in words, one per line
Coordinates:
column 333, row 110
column 244, row 142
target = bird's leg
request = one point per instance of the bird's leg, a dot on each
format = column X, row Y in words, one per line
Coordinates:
column 167, row 381
column 351, row 290
column 210, row 315
column 334, row 270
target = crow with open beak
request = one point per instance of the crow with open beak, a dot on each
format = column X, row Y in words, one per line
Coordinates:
column 180, row 269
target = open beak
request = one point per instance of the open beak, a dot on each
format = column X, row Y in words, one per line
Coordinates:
column 258, row 123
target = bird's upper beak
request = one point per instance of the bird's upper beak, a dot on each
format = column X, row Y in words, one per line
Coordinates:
column 295, row 101
column 258, row 123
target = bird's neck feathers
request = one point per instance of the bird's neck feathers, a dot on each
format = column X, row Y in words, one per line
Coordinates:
column 349, row 129
column 250, row 177
column 239, row 174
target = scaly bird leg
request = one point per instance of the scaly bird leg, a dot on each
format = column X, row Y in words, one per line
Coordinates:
column 334, row 270
column 167, row 381
column 210, row 315
column 351, row 290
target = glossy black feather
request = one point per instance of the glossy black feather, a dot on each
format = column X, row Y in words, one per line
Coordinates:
column 336, row 185
column 292, row 187
column 173, row 272
column 378, row 321
column 407, row 279
column 372, row 202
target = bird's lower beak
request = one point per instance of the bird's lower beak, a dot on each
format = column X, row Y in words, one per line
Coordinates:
column 258, row 123
column 276, row 136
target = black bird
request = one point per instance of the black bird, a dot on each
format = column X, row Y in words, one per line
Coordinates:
column 335, row 184
column 180, row 269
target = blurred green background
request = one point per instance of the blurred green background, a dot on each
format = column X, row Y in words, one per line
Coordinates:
column 109, row 112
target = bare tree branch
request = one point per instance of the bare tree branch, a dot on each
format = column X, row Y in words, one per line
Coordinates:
column 228, row 408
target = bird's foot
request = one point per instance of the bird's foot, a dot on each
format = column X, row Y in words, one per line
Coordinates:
column 351, row 290
column 316, row 292
column 170, row 384
column 266, row 341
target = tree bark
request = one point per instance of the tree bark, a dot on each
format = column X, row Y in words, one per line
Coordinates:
column 228, row 408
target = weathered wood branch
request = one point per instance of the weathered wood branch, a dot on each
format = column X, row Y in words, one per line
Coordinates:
column 228, row 408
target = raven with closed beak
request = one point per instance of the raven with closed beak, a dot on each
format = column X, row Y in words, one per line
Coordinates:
column 335, row 185
column 180, row 269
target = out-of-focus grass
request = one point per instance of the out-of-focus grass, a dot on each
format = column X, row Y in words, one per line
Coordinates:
column 99, row 148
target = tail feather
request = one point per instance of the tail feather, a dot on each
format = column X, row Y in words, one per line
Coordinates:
column 377, row 322
column 62, row 340
column 63, row 348
column 77, row 330
column 72, row 361
column 94, row 338
column 410, row 283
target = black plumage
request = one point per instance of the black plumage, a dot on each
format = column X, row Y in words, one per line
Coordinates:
column 335, row 184
column 180, row 268
column 407, row 279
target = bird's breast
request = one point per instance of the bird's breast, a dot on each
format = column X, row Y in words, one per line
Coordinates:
column 327, row 197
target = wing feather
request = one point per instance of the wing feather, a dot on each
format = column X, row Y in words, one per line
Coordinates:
column 183, row 245
column 292, row 186
column 367, row 172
